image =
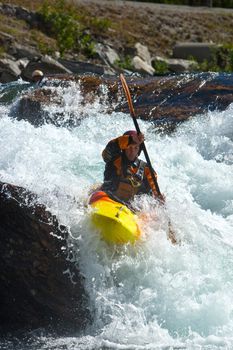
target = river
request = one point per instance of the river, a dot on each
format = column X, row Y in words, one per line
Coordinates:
column 154, row 295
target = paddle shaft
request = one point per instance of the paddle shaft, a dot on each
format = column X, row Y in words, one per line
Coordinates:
column 133, row 115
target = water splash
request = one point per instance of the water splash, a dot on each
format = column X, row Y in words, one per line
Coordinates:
column 154, row 295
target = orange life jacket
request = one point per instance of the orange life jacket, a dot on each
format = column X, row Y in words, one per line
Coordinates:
column 129, row 185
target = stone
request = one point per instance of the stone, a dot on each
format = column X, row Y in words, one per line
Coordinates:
column 107, row 54
column 9, row 70
column 161, row 99
column 22, row 63
column 79, row 67
column 198, row 51
column 142, row 66
column 35, row 290
column 180, row 66
column 175, row 65
column 143, row 53
column 21, row 51
column 46, row 64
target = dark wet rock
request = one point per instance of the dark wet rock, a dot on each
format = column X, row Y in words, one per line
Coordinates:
column 9, row 70
column 173, row 99
column 169, row 99
column 78, row 67
column 46, row 64
column 35, row 106
column 45, row 105
column 36, row 287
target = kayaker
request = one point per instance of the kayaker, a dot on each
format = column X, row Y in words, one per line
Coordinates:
column 125, row 174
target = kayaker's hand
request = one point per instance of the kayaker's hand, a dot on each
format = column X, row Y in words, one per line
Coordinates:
column 138, row 138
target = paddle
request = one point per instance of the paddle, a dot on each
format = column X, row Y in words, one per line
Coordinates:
column 133, row 115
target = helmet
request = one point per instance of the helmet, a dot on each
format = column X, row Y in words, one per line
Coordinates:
column 37, row 73
column 133, row 133
column 130, row 133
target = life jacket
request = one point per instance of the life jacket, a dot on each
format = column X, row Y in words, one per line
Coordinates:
column 130, row 184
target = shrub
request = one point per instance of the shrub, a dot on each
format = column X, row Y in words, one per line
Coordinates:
column 222, row 60
column 100, row 24
column 160, row 67
column 125, row 63
column 62, row 22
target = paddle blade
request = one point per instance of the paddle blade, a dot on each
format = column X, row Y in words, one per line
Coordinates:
column 127, row 94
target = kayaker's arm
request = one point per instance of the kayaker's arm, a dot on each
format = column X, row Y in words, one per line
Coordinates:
column 115, row 147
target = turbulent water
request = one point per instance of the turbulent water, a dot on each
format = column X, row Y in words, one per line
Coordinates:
column 154, row 295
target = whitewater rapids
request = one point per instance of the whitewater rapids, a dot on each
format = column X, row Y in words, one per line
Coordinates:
column 154, row 295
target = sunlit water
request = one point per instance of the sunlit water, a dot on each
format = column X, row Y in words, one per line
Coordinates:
column 154, row 295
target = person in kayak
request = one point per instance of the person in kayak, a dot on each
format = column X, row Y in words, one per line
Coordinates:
column 125, row 174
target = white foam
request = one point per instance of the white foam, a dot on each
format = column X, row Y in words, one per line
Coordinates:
column 153, row 295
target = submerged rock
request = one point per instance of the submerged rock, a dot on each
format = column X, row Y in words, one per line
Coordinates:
column 36, row 287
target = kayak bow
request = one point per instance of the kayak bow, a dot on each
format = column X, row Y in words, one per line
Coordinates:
column 117, row 223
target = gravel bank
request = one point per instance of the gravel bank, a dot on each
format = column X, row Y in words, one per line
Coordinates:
column 161, row 26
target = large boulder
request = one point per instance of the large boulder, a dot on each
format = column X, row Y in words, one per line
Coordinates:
column 174, row 65
column 79, row 67
column 142, row 51
column 170, row 100
column 35, row 274
column 164, row 99
column 142, row 66
column 107, row 54
column 9, row 70
column 198, row 51
column 46, row 64
column 36, row 105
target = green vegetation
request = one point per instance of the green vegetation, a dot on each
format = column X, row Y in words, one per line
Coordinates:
column 69, row 27
column 73, row 30
column 160, row 67
column 2, row 51
column 11, row 26
column 18, row 29
column 45, row 45
column 222, row 61
column 100, row 24
column 62, row 22
column 125, row 63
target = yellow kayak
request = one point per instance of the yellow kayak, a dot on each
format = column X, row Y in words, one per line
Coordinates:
column 117, row 223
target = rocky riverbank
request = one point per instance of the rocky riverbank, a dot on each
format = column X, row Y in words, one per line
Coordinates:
column 122, row 36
